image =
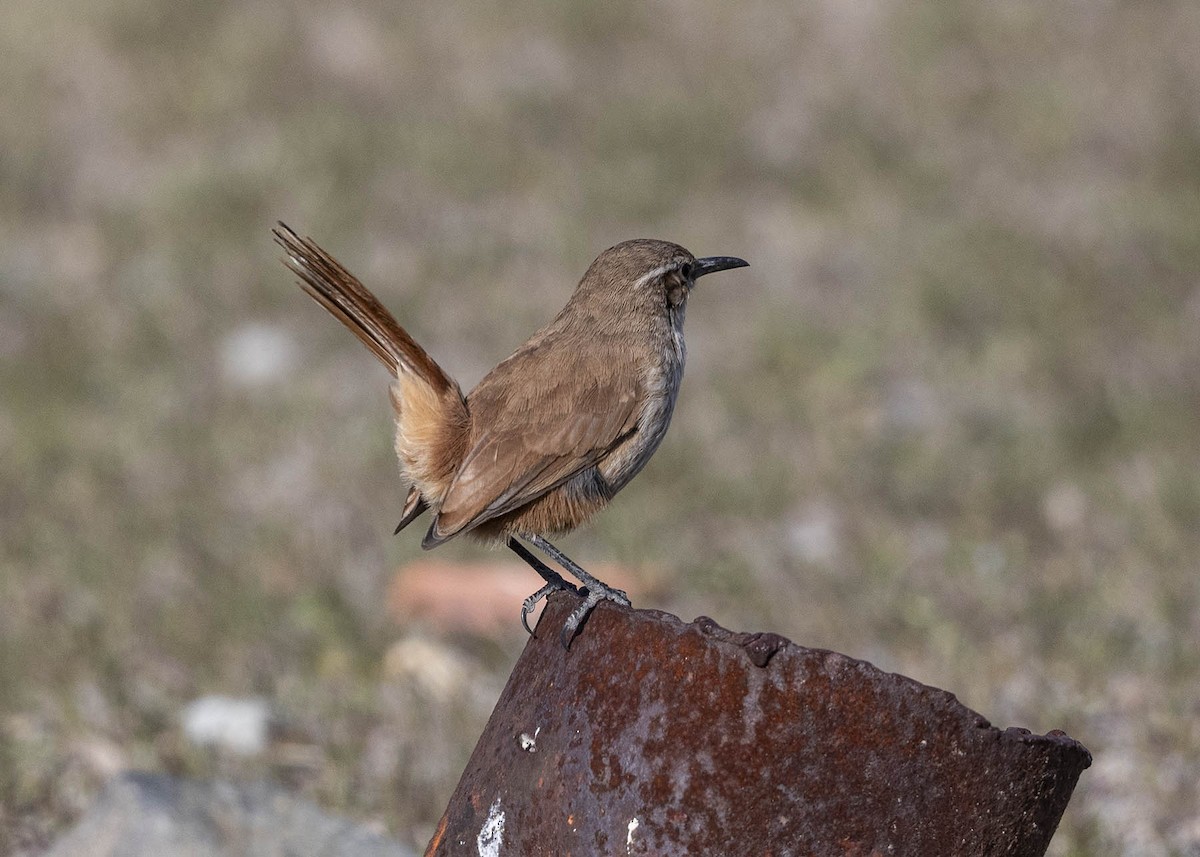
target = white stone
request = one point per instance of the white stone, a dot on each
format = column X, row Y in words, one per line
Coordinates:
column 255, row 355
column 236, row 725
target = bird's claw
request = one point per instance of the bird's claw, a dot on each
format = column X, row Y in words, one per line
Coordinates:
column 592, row 592
column 552, row 585
column 591, row 597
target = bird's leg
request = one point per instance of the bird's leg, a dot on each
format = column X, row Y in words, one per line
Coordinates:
column 554, row 581
column 589, row 581
column 594, row 590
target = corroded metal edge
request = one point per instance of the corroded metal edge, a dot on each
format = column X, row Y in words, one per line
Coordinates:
column 656, row 736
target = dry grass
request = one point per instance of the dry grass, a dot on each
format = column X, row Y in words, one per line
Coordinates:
column 947, row 422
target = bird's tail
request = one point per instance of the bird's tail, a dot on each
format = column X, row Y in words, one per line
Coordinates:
column 431, row 412
column 340, row 292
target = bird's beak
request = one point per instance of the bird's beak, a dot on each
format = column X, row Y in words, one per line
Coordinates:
column 712, row 264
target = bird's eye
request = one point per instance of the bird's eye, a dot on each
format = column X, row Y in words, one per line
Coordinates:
column 686, row 271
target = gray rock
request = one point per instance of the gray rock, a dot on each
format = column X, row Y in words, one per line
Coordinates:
column 155, row 815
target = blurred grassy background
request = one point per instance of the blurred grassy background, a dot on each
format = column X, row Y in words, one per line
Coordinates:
column 949, row 421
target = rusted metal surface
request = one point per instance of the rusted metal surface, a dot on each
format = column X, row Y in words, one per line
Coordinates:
column 652, row 736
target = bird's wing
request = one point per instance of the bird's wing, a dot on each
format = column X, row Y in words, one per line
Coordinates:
column 414, row 507
column 562, row 417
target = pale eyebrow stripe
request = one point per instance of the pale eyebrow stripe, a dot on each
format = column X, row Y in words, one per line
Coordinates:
column 657, row 272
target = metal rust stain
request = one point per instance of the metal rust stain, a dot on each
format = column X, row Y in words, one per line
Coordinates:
column 716, row 742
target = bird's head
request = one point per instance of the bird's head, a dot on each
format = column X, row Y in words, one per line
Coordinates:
column 648, row 274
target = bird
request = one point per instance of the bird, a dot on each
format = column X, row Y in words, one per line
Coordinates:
column 550, row 435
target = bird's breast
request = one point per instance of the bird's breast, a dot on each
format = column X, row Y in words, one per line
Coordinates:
column 660, row 382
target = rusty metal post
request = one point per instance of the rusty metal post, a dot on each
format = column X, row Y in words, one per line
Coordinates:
column 652, row 736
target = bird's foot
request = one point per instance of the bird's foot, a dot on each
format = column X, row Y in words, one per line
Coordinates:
column 593, row 594
column 552, row 585
column 554, row 582
column 593, row 591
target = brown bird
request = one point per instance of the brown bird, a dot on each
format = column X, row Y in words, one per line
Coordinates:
column 550, row 435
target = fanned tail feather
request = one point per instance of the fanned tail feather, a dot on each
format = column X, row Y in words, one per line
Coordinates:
column 348, row 300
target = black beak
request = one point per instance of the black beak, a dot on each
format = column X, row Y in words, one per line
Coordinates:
column 712, row 264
